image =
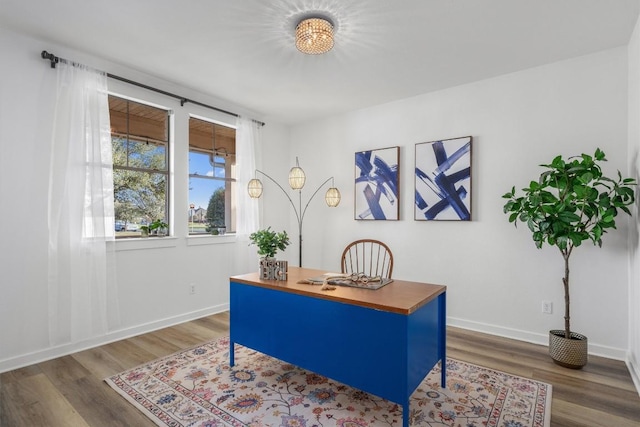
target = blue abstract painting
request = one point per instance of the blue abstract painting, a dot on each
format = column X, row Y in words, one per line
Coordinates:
column 377, row 184
column 443, row 180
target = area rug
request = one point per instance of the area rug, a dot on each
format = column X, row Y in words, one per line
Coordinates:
column 197, row 388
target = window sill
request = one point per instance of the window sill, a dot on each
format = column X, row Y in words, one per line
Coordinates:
column 210, row 240
column 146, row 243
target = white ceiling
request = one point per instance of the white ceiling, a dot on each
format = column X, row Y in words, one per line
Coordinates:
column 243, row 50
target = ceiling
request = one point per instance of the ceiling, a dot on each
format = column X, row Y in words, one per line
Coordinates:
column 243, row 51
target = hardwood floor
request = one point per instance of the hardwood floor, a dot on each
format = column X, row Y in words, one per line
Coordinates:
column 70, row 391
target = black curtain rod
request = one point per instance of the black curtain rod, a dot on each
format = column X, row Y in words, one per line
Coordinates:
column 54, row 60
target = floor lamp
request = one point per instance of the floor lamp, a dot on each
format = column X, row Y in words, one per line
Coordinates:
column 297, row 179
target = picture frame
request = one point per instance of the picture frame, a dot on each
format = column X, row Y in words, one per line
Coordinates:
column 443, row 180
column 377, row 184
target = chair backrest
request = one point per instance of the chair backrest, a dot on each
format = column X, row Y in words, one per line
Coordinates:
column 368, row 256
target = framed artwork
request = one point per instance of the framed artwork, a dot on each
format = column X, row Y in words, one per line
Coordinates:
column 377, row 184
column 443, row 180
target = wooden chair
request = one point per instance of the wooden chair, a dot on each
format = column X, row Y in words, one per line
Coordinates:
column 368, row 256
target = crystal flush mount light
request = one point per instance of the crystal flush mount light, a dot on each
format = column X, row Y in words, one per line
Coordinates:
column 314, row 36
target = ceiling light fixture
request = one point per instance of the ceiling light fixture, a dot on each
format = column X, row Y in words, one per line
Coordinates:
column 314, row 36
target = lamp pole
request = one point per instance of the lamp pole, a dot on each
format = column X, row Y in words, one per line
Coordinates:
column 298, row 211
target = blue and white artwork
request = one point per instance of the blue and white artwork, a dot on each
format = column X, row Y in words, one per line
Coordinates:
column 377, row 184
column 443, row 180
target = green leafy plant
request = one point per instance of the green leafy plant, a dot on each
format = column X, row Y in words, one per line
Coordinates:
column 160, row 227
column 571, row 202
column 269, row 242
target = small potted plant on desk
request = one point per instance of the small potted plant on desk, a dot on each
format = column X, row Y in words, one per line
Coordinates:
column 269, row 243
column 572, row 201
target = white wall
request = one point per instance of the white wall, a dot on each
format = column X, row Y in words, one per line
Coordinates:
column 153, row 274
column 633, row 359
column 496, row 277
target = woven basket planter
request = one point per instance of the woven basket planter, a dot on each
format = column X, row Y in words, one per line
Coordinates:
column 568, row 352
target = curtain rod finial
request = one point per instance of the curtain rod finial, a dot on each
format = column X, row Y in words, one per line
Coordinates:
column 51, row 57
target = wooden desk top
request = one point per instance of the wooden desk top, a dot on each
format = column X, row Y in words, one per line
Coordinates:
column 398, row 296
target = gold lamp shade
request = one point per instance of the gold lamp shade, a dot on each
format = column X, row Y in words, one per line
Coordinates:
column 314, row 36
column 255, row 188
column 297, row 177
column 332, row 197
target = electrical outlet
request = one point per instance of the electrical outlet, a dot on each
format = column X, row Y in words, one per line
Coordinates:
column 547, row 307
column 192, row 288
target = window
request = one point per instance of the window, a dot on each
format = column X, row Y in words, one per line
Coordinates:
column 212, row 159
column 140, row 142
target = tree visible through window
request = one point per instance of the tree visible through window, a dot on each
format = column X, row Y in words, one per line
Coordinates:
column 211, row 177
column 140, row 140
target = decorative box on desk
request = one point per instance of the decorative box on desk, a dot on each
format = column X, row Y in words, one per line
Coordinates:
column 271, row 269
column 382, row 341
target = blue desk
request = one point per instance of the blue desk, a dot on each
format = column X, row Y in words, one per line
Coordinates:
column 382, row 341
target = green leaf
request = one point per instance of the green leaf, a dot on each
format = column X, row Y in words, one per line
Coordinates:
column 557, row 162
column 604, row 201
column 586, row 177
column 597, row 233
column 577, row 238
column 568, row 217
column 580, row 191
column 626, row 191
column 561, row 242
column 599, row 155
column 548, row 209
column 585, row 159
column 510, row 194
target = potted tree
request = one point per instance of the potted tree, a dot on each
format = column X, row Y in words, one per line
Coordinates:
column 269, row 243
column 572, row 201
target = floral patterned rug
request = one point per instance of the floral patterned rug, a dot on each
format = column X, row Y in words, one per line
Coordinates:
column 197, row 388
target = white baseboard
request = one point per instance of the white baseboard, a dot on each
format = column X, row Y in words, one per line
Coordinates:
column 634, row 370
column 63, row 350
column 532, row 337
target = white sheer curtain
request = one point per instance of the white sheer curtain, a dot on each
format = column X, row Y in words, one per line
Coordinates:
column 82, row 289
column 248, row 142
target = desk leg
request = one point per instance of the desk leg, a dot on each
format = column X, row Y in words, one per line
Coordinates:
column 405, row 414
column 442, row 337
column 232, row 350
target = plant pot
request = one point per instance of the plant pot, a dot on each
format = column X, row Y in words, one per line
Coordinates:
column 568, row 352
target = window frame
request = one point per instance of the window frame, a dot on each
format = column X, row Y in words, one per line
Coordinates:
column 168, row 170
column 229, row 178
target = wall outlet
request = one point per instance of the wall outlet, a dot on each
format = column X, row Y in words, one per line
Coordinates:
column 192, row 289
column 547, row 307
